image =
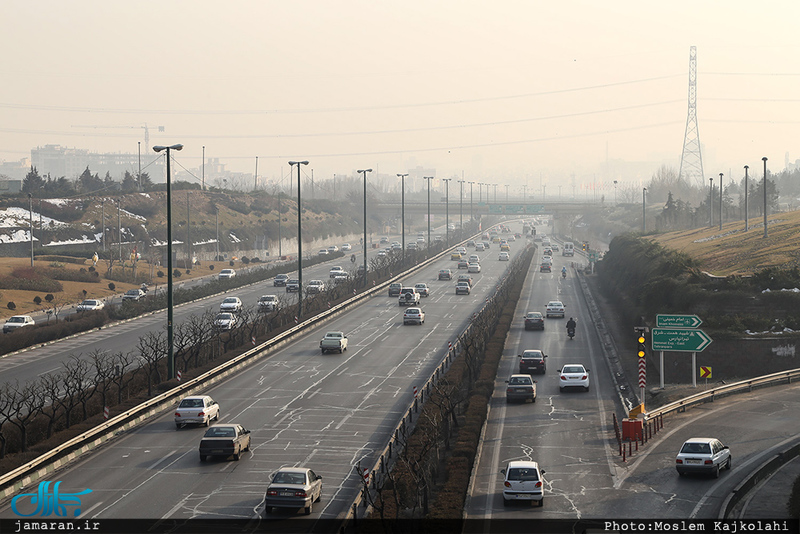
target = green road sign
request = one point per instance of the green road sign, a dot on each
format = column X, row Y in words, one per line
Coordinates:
column 679, row 339
column 592, row 256
column 678, row 321
column 534, row 208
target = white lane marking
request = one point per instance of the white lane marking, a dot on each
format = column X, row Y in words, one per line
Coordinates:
column 49, row 371
column 88, row 511
column 161, row 459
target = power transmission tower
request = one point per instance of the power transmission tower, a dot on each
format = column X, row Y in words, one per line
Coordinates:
column 691, row 159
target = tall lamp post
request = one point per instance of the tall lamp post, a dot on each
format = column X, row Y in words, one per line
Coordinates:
column 480, row 192
column 615, row 192
column 720, row 201
column 461, row 206
column 30, row 216
column 364, row 172
column 506, row 193
column 403, row 213
column 644, row 211
column 299, row 238
column 170, row 349
column 428, row 179
column 711, row 202
column 471, row 217
column 746, row 167
column 447, row 208
column 764, row 159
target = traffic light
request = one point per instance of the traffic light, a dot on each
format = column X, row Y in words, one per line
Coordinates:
column 641, row 351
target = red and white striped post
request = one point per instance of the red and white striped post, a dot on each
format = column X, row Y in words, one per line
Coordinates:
column 105, row 413
column 179, row 375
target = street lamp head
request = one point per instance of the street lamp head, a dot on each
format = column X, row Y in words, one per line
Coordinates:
column 298, row 163
column 402, row 175
column 747, row 166
column 764, row 158
column 364, row 170
column 159, row 148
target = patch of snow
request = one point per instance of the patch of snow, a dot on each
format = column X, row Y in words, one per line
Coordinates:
column 204, row 242
column 156, row 243
column 86, row 239
column 234, row 238
column 17, row 236
column 16, row 217
column 133, row 215
column 57, row 201
column 146, row 195
column 792, row 290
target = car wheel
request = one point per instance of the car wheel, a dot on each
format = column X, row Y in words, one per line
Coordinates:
column 319, row 496
column 177, row 426
column 309, row 508
column 541, row 502
column 716, row 471
column 508, row 401
column 586, row 388
column 248, row 446
column 216, row 416
column 730, row 463
column 505, row 502
column 203, row 457
column 205, row 422
column 323, row 351
column 236, row 456
column 534, row 398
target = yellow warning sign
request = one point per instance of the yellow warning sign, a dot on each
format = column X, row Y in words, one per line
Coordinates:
column 705, row 372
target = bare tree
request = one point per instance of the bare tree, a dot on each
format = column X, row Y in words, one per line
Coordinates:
column 120, row 375
column 152, row 348
column 52, row 384
column 25, row 404
column 103, row 372
column 7, row 395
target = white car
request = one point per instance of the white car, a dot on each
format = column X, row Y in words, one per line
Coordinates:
column 90, row 305
column 225, row 321
column 200, row 410
column 554, row 308
column 474, row 268
column 462, row 250
column 474, row 258
column 573, row 375
column 323, row 252
column 332, row 249
column 479, row 247
column 504, row 256
column 315, row 286
column 347, row 247
column 132, row 295
column 413, row 316
column 523, row 482
column 226, row 274
column 381, row 253
column 231, row 304
column 703, row 455
column 268, row 303
column 16, row 322
column 337, row 270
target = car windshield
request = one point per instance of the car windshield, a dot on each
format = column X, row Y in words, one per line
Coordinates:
column 574, row 369
column 224, row 316
column 412, row 311
column 289, row 478
column 531, row 354
column 191, row 403
column 520, row 473
column 535, row 315
column 520, row 381
column 220, row 432
column 696, row 448
column 16, row 320
column 230, row 300
column 133, row 292
column 555, row 304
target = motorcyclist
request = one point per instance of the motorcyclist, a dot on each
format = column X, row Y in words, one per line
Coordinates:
column 571, row 324
column 564, row 272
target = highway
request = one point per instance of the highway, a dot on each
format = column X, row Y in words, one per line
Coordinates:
column 328, row 412
column 571, row 435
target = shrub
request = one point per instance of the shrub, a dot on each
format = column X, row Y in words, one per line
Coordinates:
column 112, row 286
column 11, row 306
column 37, row 300
column 188, row 271
column 91, row 269
column 176, row 273
column 245, row 260
column 255, row 260
column 231, row 263
column 29, row 279
column 211, row 267
column 49, row 297
column 160, row 274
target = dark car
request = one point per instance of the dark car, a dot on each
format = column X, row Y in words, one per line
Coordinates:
column 534, row 321
column 463, row 264
column 394, row 289
column 545, row 268
column 520, row 387
column 225, row 440
column 445, row 274
column 532, row 360
column 280, row 280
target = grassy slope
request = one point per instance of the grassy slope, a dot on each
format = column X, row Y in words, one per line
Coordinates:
column 734, row 251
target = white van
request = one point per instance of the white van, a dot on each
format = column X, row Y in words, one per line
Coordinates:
column 569, row 249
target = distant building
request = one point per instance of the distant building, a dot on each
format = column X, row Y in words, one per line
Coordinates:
column 58, row 161
column 14, row 170
column 10, row 187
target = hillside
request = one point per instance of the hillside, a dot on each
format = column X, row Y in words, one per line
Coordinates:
column 733, row 251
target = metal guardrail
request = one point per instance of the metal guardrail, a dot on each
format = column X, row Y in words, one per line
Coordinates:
column 728, row 389
column 56, row 458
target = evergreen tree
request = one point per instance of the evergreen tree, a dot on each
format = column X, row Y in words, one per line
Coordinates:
column 33, row 183
column 89, row 183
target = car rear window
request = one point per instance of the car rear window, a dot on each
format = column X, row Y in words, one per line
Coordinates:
column 523, row 474
column 696, row 448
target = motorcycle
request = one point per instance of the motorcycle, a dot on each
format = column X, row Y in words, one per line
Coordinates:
column 563, row 274
column 571, row 332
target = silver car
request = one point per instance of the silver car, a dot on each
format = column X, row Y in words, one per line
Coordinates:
column 293, row 487
column 199, row 410
column 703, row 455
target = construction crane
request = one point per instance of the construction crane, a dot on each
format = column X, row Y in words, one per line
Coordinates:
column 146, row 130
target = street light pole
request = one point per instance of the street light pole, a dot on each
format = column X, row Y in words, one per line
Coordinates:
column 764, row 159
column 461, row 206
column 364, row 172
column 644, row 211
column 299, row 238
column 480, row 192
column 170, row 336
column 447, row 209
column 711, row 202
column 746, row 167
column 471, row 217
column 506, row 193
column 720, row 201
column 30, row 215
column 216, row 225
column 403, row 213
column 615, row 192
column 428, row 179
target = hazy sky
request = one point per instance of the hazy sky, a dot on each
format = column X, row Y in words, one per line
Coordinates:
column 501, row 91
